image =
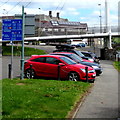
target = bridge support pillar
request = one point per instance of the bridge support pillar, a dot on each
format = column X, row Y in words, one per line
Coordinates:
column 105, row 42
column 90, row 41
column 108, row 42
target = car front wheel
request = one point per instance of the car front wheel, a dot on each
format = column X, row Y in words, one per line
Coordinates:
column 73, row 76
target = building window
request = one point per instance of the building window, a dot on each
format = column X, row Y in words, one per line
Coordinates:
column 56, row 30
column 54, row 23
column 49, row 29
column 62, row 30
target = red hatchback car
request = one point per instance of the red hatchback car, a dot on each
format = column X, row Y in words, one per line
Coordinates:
column 47, row 66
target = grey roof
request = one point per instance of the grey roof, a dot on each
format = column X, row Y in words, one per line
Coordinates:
column 63, row 24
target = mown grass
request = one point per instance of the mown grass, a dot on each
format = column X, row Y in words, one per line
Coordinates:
column 17, row 51
column 117, row 65
column 38, row 98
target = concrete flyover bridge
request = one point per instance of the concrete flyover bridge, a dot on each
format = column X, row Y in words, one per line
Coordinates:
column 92, row 32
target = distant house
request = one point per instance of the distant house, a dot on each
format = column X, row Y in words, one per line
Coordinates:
column 48, row 25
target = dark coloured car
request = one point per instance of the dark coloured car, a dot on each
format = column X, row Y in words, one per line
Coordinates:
column 77, row 59
column 69, row 48
column 47, row 66
column 91, row 55
column 81, row 44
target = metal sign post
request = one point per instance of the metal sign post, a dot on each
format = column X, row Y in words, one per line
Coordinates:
column 22, row 56
column 12, row 31
column 11, row 59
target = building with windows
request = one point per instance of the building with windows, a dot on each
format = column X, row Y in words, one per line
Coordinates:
column 47, row 25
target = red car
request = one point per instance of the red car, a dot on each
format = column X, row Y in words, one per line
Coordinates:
column 47, row 66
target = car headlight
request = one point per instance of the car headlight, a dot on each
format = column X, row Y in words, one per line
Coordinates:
column 90, row 59
column 89, row 71
column 95, row 67
column 83, row 70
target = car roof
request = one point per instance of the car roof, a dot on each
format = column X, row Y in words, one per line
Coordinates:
column 86, row 51
column 37, row 56
column 62, row 53
column 64, row 50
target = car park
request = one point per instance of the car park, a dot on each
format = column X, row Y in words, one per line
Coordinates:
column 77, row 59
column 69, row 48
column 47, row 66
column 91, row 55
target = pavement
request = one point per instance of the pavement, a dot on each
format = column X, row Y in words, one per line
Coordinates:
column 102, row 102
column 5, row 60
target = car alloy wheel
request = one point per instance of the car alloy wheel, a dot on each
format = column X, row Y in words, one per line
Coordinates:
column 30, row 73
column 73, row 76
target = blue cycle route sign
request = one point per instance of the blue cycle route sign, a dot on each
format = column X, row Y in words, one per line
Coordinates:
column 12, row 30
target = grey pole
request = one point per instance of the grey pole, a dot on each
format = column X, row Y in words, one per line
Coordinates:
column 11, row 59
column 39, row 25
column 100, row 24
column 22, row 56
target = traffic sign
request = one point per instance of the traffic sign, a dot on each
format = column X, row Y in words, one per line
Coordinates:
column 12, row 30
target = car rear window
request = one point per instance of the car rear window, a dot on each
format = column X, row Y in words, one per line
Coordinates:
column 51, row 60
column 41, row 59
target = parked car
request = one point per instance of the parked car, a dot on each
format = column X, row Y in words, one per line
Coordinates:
column 69, row 48
column 76, row 45
column 91, row 55
column 76, row 58
column 79, row 45
column 82, row 44
column 47, row 66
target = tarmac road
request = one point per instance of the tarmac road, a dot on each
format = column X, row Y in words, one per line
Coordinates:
column 102, row 102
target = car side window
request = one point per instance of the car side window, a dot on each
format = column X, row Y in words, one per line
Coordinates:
column 52, row 60
column 87, row 55
column 41, row 59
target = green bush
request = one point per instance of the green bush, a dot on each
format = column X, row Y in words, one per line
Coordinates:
column 117, row 65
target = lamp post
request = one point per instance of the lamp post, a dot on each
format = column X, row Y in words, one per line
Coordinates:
column 5, row 12
column 39, row 24
column 100, row 19
column 100, row 16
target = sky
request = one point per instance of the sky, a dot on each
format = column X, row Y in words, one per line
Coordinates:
column 84, row 11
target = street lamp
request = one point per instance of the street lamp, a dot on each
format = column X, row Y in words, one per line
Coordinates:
column 39, row 23
column 5, row 12
column 100, row 19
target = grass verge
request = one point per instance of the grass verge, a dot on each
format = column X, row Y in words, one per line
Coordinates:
column 117, row 65
column 0, row 99
column 17, row 51
column 38, row 98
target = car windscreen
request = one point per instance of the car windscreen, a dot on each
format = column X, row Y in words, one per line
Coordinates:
column 79, row 53
column 68, row 60
column 76, row 58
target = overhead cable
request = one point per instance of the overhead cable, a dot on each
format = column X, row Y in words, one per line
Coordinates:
column 4, row 3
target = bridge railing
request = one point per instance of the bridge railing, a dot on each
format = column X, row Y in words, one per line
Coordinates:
column 104, row 29
column 72, row 31
column 76, row 31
